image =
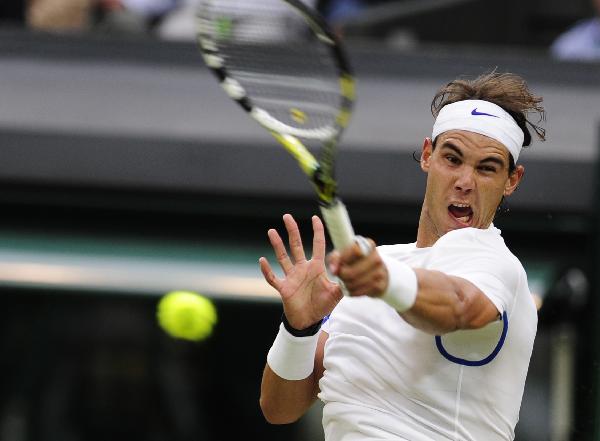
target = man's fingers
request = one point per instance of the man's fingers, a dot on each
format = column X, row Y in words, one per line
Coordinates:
column 365, row 244
column 296, row 248
column 318, row 239
column 354, row 278
column 361, row 248
column 351, row 254
column 280, row 251
column 372, row 288
column 367, row 275
column 373, row 283
column 349, row 271
column 268, row 273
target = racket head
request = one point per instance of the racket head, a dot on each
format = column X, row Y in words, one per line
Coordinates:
column 282, row 64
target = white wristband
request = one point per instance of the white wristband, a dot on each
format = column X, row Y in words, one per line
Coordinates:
column 292, row 358
column 402, row 288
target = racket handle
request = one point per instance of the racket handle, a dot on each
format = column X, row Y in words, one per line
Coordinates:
column 341, row 231
column 338, row 224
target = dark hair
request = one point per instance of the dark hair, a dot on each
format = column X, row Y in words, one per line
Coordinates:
column 506, row 90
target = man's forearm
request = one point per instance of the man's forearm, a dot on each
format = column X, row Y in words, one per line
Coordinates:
column 285, row 401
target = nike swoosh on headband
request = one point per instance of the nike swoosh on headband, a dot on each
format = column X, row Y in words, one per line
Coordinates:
column 476, row 113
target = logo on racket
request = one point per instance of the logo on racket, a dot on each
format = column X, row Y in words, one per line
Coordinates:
column 224, row 28
column 298, row 115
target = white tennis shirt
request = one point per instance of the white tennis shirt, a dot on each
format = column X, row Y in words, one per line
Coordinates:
column 386, row 380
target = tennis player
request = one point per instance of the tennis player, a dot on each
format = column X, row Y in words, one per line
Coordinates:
column 435, row 339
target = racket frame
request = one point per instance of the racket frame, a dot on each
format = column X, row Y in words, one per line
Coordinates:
column 320, row 172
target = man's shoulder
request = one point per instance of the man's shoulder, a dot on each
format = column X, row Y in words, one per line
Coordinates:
column 471, row 243
column 466, row 238
column 489, row 237
column 487, row 241
column 478, row 254
column 397, row 249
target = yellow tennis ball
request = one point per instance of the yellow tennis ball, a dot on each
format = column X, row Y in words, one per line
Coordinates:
column 186, row 315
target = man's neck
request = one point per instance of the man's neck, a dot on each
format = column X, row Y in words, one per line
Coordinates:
column 427, row 234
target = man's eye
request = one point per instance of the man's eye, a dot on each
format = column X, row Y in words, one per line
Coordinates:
column 452, row 159
column 488, row 169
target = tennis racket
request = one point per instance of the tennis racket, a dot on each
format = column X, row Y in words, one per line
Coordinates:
column 281, row 63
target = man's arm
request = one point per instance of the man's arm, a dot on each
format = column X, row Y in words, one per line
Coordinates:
column 295, row 364
column 285, row 401
column 447, row 303
column 443, row 303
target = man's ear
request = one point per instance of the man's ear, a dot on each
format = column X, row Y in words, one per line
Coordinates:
column 426, row 153
column 513, row 180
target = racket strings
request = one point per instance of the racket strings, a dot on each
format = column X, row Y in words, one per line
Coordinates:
column 281, row 64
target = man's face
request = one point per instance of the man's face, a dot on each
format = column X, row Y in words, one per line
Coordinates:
column 467, row 176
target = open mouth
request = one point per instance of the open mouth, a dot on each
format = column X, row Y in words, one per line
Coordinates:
column 461, row 212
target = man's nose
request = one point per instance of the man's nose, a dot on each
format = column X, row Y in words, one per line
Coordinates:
column 465, row 180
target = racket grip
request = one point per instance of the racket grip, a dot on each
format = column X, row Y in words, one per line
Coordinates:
column 338, row 224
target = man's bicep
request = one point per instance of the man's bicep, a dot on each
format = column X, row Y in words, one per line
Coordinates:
column 479, row 308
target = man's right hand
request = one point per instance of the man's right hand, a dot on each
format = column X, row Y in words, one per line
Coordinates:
column 307, row 293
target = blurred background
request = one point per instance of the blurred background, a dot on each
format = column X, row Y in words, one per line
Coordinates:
column 125, row 172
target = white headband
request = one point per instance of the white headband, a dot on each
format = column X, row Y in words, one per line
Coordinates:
column 484, row 118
